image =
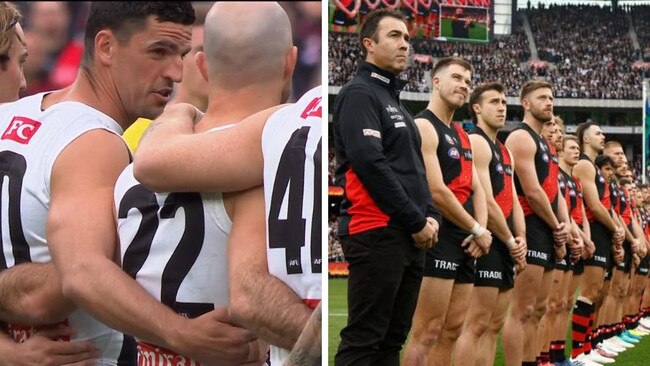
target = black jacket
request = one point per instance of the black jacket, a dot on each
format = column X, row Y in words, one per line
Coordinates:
column 379, row 161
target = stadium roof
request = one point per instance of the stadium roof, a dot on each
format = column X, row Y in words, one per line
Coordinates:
column 535, row 3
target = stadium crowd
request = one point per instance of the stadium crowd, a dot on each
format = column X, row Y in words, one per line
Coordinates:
column 586, row 51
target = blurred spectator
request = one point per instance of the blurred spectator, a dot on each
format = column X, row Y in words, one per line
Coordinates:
column 60, row 42
column 306, row 24
column 335, row 250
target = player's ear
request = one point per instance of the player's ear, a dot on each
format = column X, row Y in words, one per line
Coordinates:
column 290, row 61
column 476, row 108
column 105, row 43
column 199, row 59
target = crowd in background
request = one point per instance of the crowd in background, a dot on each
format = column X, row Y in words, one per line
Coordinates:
column 54, row 35
column 585, row 51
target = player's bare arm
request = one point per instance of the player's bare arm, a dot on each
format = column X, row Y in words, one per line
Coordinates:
column 82, row 239
column 483, row 241
column 30, row 294
column 443, row 197
column 519, row 226
column 161, row 162
column 258, row 300
column 522, row 148
column 586, row 173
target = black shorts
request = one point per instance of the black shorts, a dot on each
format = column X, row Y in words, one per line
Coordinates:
column 447, row 259
column 602, row 239
column 579, row 267
column 497, row 268
column 364, row 9
column 644, row 265
column 609, row 272
column 626, row 266
column 539, row 238
column 563, row 265
column 340, row 18
column 408, row 14
column 422, row 10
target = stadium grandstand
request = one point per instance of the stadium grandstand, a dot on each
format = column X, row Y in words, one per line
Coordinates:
column 596, row 54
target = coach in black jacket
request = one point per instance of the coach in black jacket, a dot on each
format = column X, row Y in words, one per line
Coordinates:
column 387, row 215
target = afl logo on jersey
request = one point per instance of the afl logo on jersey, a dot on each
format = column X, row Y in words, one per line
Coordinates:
column 562, row 185
column 541, row 146
column 21, row 130
column 453, row 153
column 499, row 169
column 545, row 157
column 572, row 193
column 450, row 140
column 601, row 179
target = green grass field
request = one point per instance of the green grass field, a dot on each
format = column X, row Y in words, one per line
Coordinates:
column 639, row 355
column 476, row 34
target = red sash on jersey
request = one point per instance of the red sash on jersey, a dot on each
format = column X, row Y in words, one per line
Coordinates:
column 150, row 355
column 312, row 303
column 21, row 333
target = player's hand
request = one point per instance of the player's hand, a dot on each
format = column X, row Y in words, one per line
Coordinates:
column 636, row 260
column 471, row 247
column 635, row 245
column 618, row 254
column 436, row 229
column 590, row 249
column 560, row 252
column 211, row 340
column 618, row 236
column 576, row 248
column 643, row 250
column 484, row 241
column 180, row 112
column 424, row 238
column 518, row 252
column 561, row 234
column 44, row 349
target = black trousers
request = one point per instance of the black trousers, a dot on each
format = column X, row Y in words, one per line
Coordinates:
column 385, row 272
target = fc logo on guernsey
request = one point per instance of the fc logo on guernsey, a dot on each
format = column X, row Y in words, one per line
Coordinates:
column 21, row 130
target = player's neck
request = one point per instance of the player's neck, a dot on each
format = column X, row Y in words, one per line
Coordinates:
column 533, row 123
column 566, row 167
column 227, row 106
column 490, row 132
column 442, row 110
column 92, row 89
column 591, row 153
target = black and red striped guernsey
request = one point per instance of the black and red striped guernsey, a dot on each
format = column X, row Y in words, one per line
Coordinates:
column 601, row 186
column 500, row 169
column 455, row 157
column 572, row 192
column 625, row 206
column 546, row 168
